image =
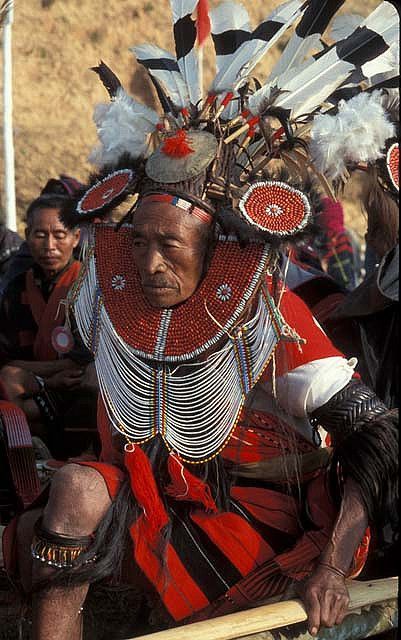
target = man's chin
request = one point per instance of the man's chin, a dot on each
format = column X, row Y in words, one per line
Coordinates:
column 162, row 298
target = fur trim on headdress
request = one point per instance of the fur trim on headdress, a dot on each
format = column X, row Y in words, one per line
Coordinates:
column 357, row 133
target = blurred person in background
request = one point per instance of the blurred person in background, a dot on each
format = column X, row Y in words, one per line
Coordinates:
column 41, row 369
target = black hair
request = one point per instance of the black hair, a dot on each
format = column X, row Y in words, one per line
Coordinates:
column 46, row 201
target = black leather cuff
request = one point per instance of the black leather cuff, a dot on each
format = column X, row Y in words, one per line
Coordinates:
column 348, row 410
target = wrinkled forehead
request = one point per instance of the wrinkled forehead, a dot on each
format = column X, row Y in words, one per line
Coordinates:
column 46, row 217
column 164, row 219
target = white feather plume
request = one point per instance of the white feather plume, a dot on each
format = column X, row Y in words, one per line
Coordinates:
column 123, row 126
column 357, row 133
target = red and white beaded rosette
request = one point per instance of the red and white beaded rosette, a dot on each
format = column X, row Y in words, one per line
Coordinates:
column 275, row 207
column 62, row 339
column 393, row 165
column 105, row 192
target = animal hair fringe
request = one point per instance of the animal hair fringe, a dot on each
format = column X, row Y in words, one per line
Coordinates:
column 369, row 457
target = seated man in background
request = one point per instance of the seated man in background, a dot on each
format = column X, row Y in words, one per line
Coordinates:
column 40, row 369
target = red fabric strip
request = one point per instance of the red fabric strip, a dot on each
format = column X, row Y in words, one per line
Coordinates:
column 270, row 507
column 49, row 315
column 241, row 544
column 178, row 591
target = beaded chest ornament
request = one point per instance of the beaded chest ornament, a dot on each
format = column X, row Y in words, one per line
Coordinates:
column 144, row 357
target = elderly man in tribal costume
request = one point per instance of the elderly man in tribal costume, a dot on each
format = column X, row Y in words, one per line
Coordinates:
column 214, row 376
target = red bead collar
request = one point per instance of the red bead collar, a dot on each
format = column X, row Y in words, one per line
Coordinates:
column 185, row 331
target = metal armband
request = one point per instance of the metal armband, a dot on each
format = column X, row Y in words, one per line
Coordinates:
column 59, row 551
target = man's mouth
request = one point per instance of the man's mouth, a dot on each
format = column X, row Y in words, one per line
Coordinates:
column 158, row 287
column 49, row 259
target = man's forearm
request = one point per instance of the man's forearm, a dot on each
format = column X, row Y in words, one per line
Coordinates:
column 348, row 530
column 40, row 368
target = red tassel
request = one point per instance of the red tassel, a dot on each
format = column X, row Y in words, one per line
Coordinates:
column 145, row 491
column 203, row 26
column 177, row 145
column 186, row 486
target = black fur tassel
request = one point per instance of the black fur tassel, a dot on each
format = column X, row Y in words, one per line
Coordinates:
column 369, row 456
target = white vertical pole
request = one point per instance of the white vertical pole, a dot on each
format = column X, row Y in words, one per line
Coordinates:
column 9, row 175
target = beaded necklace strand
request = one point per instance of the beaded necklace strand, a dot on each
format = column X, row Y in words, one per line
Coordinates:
column 193, row 406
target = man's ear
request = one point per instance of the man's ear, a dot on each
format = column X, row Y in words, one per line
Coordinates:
column 26, row 233
column 77, row 235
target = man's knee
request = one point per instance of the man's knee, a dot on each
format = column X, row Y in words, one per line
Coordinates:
column 17, row 381
column 78, row 501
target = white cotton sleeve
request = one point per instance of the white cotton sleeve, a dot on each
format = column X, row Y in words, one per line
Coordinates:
column 309, row 386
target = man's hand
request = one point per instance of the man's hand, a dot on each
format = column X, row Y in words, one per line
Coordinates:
column 69, row 378
column 325, row 597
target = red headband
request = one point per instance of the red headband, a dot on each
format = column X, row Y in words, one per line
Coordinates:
column 185, row 205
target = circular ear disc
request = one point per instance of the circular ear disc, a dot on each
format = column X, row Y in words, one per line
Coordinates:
column 275, row 207
column 393, row 165
column 103, row 193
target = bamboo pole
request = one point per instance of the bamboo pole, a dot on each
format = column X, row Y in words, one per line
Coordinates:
column 356, row 626
column 8, row 143
column 273, row 616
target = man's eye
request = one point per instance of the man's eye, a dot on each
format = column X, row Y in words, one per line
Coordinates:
column 59, row 236
column 138, row 243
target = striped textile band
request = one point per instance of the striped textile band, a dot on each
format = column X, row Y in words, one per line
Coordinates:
column 185, row 205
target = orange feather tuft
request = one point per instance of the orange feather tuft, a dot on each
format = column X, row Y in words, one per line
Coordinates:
column 177, row 145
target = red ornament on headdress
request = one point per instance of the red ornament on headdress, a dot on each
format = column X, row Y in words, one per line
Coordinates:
column 275, row 207
column 104, row 192
column 177, row 145
column 202, row 21
column 393, row 165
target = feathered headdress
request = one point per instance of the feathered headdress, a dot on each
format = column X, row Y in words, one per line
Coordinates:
column 311, row 114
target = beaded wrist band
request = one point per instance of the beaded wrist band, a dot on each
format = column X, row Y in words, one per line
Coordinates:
column 333, row 569
column 57, row 550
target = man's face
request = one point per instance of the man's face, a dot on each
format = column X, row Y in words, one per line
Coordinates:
column 169, row 249
column 50, row 242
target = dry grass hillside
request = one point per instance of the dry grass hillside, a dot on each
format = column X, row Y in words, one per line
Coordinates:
column 55, row 42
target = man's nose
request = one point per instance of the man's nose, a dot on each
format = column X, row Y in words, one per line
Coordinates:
column 153, row 262
column 50, row 243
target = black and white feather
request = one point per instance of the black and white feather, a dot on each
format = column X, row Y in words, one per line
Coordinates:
column 185, row 40
column 163, row 66
column 230, row 28
column 311, row 87
column 342, row 26
column 307, row 36
column 253, row 48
